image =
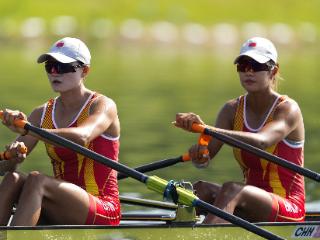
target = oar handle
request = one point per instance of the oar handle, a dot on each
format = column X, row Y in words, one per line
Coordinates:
column 17, row 122
column 199, row 128
column 6, row 155
column 204, row 141
column 185, row 157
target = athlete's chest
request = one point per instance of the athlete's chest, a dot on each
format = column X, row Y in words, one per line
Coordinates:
column 65, row 118
column 255, row 120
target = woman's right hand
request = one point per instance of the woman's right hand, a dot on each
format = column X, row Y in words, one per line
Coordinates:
column 186, row 120
column 199, row 155
column 16, row 155
column 9, row 117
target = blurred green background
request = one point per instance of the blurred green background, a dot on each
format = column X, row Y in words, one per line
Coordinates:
column 157, row 58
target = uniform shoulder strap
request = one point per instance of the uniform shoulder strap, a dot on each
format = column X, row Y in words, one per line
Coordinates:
column 238, row 118
column 47, row 121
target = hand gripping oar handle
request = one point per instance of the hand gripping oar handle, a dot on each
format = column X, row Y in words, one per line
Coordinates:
column 8, row 154
column 154, row 183
column 17, row 122
column 257, row 151
column 204, row 140
column 199, row 128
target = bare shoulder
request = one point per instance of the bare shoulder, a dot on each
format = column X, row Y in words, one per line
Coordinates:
column 36, row 115
column 105, row 103
column 226, row 114
column 288, row 107
column 229, row 108
column 289, row 112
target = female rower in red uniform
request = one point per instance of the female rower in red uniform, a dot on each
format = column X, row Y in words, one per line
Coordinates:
column 82, row 191
column 265, row 119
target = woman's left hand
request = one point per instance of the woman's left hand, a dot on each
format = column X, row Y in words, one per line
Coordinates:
column 9, row 116
column 199, row 155
column 15, row 150
column 185, row 121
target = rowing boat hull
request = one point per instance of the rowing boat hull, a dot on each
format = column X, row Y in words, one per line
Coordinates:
column 158, row 232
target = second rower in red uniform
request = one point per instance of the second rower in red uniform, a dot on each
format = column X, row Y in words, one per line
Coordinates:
column 265, row 119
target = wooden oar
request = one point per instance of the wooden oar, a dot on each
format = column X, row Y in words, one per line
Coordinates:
column 200, row 128
column 154, row 183
column 203, row 140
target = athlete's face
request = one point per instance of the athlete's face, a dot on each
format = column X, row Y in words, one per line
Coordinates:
column 64, row 77
column 255, row 76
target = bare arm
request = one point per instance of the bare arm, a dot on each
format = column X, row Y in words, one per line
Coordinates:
column 103, row 118
column 287, row 123
column 224, row 121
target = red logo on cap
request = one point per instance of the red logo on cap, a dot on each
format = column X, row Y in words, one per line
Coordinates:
column 252, row 44
column 60, row 44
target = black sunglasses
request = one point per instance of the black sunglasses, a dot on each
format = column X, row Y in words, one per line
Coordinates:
column 244, row 66
column 62, row 68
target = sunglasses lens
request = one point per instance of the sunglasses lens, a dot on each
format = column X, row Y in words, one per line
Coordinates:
column 252, row 65
column 48, row 67
column 60, row 68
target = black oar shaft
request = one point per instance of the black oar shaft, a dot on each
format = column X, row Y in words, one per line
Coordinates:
column 85, row 152
column 263, row 154
column 236, row 220
column 154, row 166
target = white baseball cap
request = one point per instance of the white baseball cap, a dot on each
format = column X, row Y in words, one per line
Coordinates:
column 260, row 49
column 67, row 50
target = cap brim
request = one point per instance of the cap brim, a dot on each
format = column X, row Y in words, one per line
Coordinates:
column 257, row 57
column 57, row 56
